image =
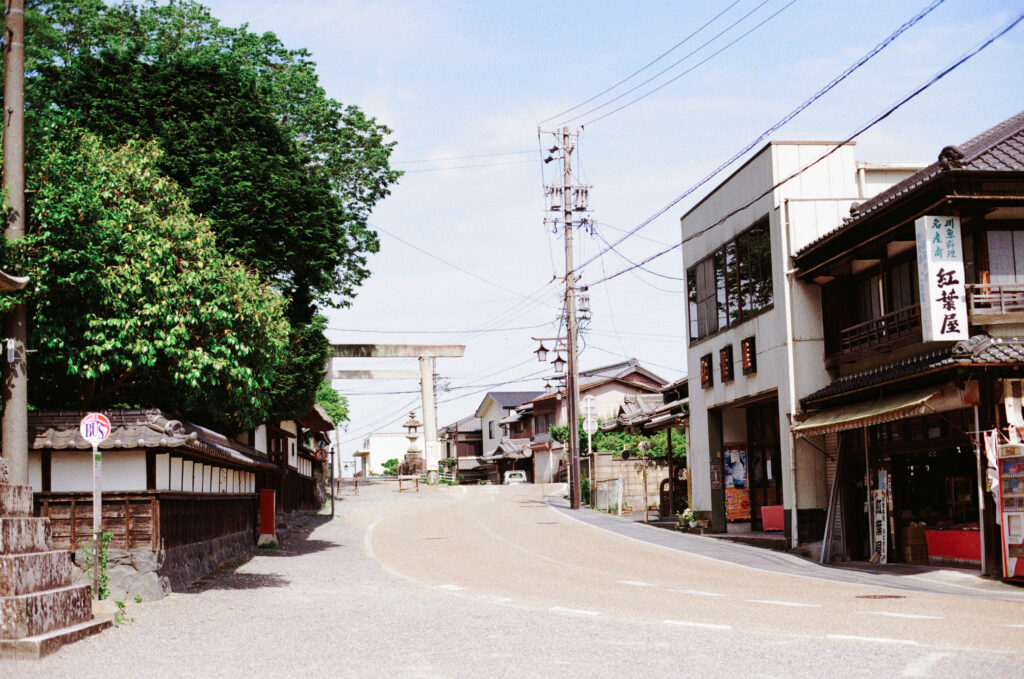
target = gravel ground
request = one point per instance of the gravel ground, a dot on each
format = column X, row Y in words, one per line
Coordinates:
column 322, row 606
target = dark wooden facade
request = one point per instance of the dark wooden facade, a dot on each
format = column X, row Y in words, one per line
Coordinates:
column 151, row 520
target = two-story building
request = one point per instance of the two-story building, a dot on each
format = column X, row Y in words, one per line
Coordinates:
column 922, row 311
column 755, row 334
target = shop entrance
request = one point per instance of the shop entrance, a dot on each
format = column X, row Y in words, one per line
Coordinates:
column 752, row 467
column 926, row 470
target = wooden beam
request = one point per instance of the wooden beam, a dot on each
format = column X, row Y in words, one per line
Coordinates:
column 376, row 374
column 398, row 350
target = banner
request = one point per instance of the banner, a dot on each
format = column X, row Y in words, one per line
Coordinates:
column 940, row 270
column 880, row 548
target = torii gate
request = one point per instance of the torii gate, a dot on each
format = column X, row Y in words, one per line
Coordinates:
column 427, row 353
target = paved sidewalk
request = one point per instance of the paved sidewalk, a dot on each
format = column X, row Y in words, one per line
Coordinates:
column 953, row 581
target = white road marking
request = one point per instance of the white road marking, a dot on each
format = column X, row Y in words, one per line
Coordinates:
column 696, row 592
column 875, row 640
column 494, row 598
column 1013, row 625
column 782, row 603
column 635, row 583
column 908, row 616
column 706, row 625
column 452, row 588
column 573, row 611
column 923, row 666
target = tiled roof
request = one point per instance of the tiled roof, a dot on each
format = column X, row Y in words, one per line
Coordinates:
column 510, row 399
column 980, row 350
column 466, row 425
column 999, row 149
column 58, row 430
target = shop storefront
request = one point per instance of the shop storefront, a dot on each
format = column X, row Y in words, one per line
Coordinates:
column 906, row 483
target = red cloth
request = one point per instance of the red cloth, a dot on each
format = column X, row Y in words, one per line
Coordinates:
column 954, row 543
column 773, row 517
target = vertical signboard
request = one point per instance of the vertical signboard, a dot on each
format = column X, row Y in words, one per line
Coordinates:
column 940, row 270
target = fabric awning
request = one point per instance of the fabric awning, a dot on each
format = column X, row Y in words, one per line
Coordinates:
column 856, row 415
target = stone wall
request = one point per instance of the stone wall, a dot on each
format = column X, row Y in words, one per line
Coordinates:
column 153, row 575
column 606, row 467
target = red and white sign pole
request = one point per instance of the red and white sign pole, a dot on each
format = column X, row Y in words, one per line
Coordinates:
column 94, row 428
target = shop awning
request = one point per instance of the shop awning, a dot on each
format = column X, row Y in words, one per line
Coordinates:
column 856, row 415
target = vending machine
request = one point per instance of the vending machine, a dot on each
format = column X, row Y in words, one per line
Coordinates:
column 1011, row 509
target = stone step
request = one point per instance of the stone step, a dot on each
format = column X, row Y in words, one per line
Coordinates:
column 19, row 535
column 35, row 572
column 28, row 615
column 35, row 647
column 15, row 500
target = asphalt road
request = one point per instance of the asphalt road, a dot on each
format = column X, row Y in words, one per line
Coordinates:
column 496, row 582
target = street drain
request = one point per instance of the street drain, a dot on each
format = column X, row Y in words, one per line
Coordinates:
column 547, row 523
column 880, row 596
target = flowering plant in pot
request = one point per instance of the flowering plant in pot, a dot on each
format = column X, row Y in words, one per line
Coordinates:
column 687, row 518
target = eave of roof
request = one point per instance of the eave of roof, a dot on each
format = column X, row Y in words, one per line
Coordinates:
column 998, row 149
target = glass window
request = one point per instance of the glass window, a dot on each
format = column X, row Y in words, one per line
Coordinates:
column 732, row 284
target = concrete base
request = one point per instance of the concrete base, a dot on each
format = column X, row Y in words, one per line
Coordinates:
column 41, row 612
column 267, row 539
column 35, row 647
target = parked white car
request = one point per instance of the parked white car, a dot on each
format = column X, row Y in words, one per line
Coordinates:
column 515, row 476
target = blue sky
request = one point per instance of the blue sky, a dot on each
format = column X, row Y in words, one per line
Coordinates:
column 458, row 79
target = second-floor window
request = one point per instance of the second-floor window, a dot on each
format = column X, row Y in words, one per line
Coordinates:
column 540, row 422
column 733, row 284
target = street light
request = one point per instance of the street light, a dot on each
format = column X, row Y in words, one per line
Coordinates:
column 559, row 364
column 542, row 353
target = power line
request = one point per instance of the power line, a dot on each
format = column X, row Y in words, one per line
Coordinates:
column 451, row 264
column 934, row 79
column 440, row 332
column 689, row 70
column 645, row 66
column 476, row 155
column 611, row 248
column 466, row 167
column 785, row 119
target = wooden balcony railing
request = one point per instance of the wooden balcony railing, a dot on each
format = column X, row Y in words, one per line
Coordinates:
column 991, row 304
column 885, row 332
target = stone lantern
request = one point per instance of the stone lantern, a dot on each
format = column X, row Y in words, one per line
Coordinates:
column 414, row 455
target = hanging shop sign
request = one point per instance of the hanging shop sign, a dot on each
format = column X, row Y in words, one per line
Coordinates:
column 940, row 270
column 880, row 547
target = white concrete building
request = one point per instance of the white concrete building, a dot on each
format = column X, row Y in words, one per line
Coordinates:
column 379, row 447
column 755, row 336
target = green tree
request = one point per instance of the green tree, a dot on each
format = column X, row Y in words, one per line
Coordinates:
column 390, row 467
column 335, row 405
column 617, row 441
column 285, row 175
column 131, row 301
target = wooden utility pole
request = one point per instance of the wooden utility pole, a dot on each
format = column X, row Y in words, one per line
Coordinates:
column 14, row 426
column 572, row 387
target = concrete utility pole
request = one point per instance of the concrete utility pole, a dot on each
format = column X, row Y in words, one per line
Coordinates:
column 15, row 376
column 572, row 387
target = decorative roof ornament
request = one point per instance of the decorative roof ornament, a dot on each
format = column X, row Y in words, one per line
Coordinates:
column 951, row 158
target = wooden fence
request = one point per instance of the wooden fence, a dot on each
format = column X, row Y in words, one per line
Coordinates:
column 150, row 520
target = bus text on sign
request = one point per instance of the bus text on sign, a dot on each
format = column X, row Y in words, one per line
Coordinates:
column 94, row 428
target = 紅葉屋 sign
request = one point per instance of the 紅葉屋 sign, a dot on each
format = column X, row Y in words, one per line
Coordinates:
column 940, row 271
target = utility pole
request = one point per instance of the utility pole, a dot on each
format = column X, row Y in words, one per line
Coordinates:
column 572, row 387
column 14, row 426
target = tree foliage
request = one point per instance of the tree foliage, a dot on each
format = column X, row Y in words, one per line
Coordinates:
column 284, row 176
column 130, row 299
column 616, row 442
column 335, row 405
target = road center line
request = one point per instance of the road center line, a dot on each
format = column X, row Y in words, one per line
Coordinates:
column 696, row 592
column 874, row 640
column 773, row 602
column 908, row 616
column 635, row 583
column 706, row 625
column 573, row 611
column 452, row 588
